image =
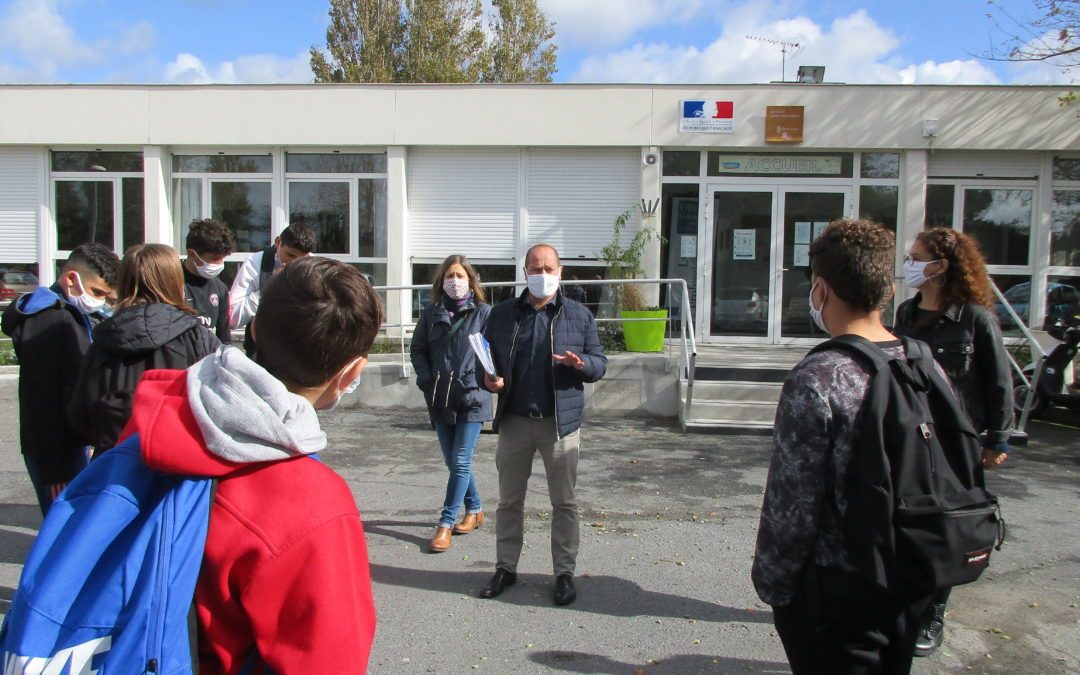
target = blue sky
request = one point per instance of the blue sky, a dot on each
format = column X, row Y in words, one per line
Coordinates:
column 197, row 41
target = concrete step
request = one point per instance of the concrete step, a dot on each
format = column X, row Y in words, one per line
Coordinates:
column 699, row 426
column 747, row 392
column 734, row 411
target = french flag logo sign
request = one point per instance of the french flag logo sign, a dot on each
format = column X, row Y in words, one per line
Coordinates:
column 707, row 117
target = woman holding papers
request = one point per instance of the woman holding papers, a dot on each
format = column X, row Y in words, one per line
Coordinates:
column 446, row 371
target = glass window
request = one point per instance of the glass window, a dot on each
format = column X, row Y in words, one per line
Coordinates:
column 1066, row 168
column 372, row 217
column 681, row 163
column 1017, row 292
column 1065, row 229
column 590, row 295
column 1000, row 220
column 939, row 205
column 187, row 205
column 84, row 213
column 335, row 163
column 1063, row 300
column 245, row 208
column 879, row 203
column 67, row 160
column 324, row 206
column 223, row 163
column 16, row 279
column 131, row 199
column 879, row 165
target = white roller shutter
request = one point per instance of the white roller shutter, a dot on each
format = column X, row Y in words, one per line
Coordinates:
column 983, row 165
column 462, row 200
column 575, row 194
column 20, row 196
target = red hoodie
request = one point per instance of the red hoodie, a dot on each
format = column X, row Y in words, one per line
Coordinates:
column 286, row 569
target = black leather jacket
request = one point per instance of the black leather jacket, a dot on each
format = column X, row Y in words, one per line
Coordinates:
column 967, row 343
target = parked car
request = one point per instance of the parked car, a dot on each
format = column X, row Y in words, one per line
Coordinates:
column 1061, row 299
column 740, row 308
column 14, row 283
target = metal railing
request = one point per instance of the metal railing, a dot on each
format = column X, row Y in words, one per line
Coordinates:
column 1038, row 354
column 677, row 289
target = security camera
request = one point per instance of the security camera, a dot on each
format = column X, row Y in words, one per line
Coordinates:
column 650, row 159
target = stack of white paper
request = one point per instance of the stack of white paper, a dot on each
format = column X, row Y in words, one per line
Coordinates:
column 483, row 352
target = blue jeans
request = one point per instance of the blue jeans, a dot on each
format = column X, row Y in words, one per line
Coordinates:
column 458, row 443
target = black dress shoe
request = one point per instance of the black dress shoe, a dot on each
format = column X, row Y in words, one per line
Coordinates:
column 564, row 589
column 498, row 583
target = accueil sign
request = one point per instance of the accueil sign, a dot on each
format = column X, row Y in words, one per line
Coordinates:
column 811, row 165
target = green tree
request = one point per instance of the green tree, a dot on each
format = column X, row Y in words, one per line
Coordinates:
column 521, row 48
column 443, row 41
column 363, row 42
column 435, row 41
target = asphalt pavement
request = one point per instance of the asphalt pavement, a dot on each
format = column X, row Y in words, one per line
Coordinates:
column 668, row 525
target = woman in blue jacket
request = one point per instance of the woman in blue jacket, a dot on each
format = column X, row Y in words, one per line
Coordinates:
column 446, row 372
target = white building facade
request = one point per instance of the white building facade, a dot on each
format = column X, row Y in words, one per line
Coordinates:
column 396, row 177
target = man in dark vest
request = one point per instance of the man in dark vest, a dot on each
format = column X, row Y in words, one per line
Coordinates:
column 296, row 241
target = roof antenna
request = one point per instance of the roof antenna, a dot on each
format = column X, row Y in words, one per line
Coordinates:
column 785, row 47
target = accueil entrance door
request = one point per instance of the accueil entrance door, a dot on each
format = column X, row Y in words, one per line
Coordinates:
column 755, row 287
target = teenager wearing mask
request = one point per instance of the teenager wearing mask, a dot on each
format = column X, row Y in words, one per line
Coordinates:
column 208, row 244
column 153, row 328
column 446, row 372
column 51, row 329
column 952, row 313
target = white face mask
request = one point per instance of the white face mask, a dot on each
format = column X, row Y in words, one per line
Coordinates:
column 207, row 270
column 456, row 288
column 542, row 285
column 815, row 312
column 915, row 272
column 85, row 302
column 350, row 388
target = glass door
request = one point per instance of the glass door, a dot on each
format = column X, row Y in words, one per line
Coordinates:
column 806, row 212
column 741, row 271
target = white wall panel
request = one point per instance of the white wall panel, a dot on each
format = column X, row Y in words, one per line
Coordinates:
column 575, row 194
column 20, row 196
column 983, row 165
column 462, row 200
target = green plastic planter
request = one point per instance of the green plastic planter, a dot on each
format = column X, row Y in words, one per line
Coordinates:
column 644, row 336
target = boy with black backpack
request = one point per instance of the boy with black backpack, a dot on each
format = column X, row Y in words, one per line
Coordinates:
column 874, row 496
column 213, row 511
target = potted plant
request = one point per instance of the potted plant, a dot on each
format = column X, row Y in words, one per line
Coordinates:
column 624, row 262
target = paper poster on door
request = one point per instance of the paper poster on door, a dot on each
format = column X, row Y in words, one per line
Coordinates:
column 801, row 255
column 743, row 244
column 819, row 227
column 688, row 246
column 802, row 233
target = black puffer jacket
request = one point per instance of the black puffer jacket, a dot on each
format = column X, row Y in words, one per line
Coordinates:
column 135, row 340
column 968, row 346
column 449, row 376
column 573, row 328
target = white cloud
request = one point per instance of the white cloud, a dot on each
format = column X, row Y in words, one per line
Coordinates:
column 36, row 36
column 248, row 69
column 853, row 49
column 611, row 22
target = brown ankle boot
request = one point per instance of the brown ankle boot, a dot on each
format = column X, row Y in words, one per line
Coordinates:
column 441, row 542
column 470, row 522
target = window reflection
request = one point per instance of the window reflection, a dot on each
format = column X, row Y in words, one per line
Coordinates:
column 245, row 208
column 1000, row 220
column 84, row 213
column 1065, row 228
column 325, row 208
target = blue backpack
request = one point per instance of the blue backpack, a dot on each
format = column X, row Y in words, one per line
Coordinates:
column 110, row 580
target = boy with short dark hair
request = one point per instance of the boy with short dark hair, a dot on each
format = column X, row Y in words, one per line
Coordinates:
column 296, row 241
column 284, row 578
column 829, row 617
column 208, row 244
column 51, row 331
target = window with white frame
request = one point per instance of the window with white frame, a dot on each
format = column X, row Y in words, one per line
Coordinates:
column 999, row 215
column 232, row 189
column 342, row 196
column 97, row 197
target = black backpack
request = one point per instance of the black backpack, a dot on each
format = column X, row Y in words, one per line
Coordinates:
column 919, row 517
